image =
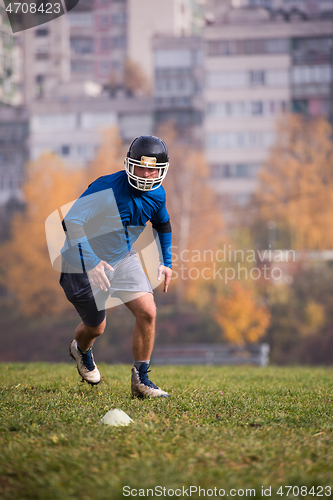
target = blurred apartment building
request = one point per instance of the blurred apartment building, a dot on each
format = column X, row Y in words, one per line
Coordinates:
column 223, row 84
column 13, row 119
column 93, row 41
column 9, row 63
column 37, row 65
column 98, row 40
column 178, row 63
column 45, row 59
column 260, row 64
column 66, row 106
column 106, row 33
column 66, row 64
column 14, row 151
column 147, row 18
column 73, row 129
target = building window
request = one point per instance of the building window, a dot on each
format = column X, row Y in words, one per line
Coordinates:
column 65, row 150
column 42, row 48
column 42, row 32
column 241, row 170
column 312, row 50
column 217, row 48
column 312, row 74
column 277, row 77
column 253, row 46
column 240, row 140
column 119, row 42
column 300, row 106
column 104, row 20
column 237, row 109
column 81, row 66
column 119, row 18
column 105, row 44
column 257, row 77
column 234, row 170
column 256, row 108
column 40, row 85
column 82, row 45
column 80, row 18
column 271, row 77
column 105, row 67
column 277, row 46
column 220, row 79
column 42, row 56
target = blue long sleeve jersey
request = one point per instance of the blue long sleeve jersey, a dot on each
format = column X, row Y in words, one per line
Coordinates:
column 108, row 218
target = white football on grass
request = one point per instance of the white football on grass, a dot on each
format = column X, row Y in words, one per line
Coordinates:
column 116, row 417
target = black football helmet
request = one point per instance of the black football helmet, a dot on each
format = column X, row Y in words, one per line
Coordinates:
column 150, row 152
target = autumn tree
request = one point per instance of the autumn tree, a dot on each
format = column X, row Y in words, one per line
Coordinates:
column 193, row 206
column 231, row 293
column 242, row 318
column 296, row 183
column 131, row 79
column 198, row 236
column 301, row 329
column 25, row 266
column 135, row 79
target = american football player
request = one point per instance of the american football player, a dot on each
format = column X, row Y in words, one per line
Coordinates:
column 98, row 259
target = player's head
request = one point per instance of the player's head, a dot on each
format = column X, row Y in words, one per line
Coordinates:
column 147, row 162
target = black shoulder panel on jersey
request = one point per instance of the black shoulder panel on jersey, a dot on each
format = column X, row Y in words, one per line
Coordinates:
column 162, row 227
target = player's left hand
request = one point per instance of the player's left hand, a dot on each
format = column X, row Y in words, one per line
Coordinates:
column 167, row 273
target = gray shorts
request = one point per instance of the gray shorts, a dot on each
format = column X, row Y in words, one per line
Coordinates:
column 128, row 281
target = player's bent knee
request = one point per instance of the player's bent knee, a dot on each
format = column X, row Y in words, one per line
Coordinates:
column 147, row 315
column 99, row 329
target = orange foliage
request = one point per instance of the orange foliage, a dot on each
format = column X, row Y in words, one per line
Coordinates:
column 132, row 79
column 296, row 183
column 240, row 316
column 26, row 270
column 135, row 79
column 193, row 206
column 198, row 227
column 25, row 264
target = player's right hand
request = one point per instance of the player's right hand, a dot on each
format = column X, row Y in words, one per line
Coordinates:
column 97, row 276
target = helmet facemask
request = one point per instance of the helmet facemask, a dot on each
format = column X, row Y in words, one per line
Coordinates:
column 142, row 183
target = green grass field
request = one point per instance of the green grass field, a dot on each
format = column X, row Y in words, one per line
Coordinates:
column 229, row 428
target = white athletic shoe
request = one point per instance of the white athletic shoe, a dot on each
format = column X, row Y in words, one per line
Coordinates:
column 85, row 364
column 141, row 386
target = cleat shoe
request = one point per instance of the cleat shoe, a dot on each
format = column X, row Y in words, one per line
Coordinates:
column 85, row 364
column 141, row 386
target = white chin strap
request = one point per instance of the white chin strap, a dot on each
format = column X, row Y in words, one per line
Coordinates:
column 142, row 183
